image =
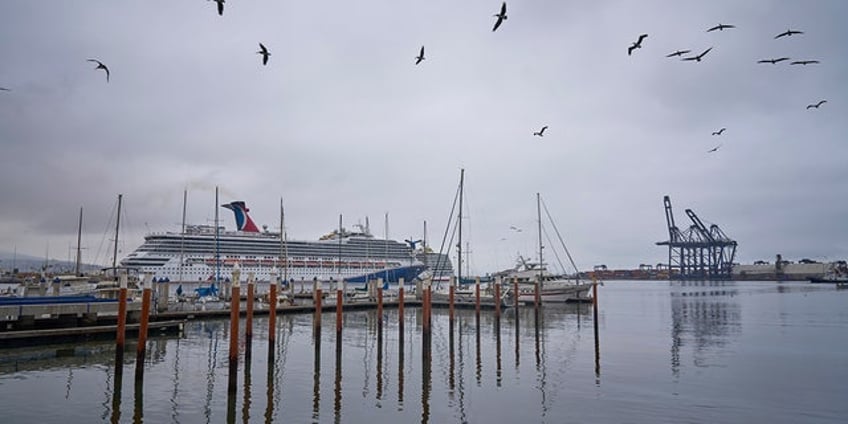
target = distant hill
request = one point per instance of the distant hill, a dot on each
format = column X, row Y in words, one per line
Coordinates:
column 29, row 263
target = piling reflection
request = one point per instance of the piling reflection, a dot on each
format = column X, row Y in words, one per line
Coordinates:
column 380, row 360
column 498, row 371
column 478, row 367
column 316, row 374
column 451, row 361
column 400, row 365
column 337, row 391
column 138, row 404
column 117, row 387
column 426, row 376
column 245, row 410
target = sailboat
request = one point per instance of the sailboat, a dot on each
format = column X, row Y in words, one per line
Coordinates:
column 552, row 288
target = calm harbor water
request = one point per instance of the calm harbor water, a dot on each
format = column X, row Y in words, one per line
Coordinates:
column 706, row 352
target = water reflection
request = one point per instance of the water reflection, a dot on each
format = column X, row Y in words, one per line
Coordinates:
column 316, row 374
column 704, row 315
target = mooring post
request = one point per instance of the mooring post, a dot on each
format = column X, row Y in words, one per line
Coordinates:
column 145, row 318
column 515, row 290
column 122, row 313
column 451, row 290
column 425, row 308
column 477, row 296
column 316, row 300
column 272, row 307
column 498, row 298
column 234, row 314
column 536, row 296
column 248, row 331
column 339, row 307
column 380, row 302
column 400, row 305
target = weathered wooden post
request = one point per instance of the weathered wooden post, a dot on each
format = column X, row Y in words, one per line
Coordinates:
column 339, row 308
column 537, row 296
column 498, row 298
column 248, row 323
column 400, row 305
column 451, row 291
column 477, row 297
column 122, row 313
column 425, row 308
column 515, row 290
column 234, row 316
column 380, row 302
column 145, row 318
column 163, row 293
column 272, row 308
column 316, row 300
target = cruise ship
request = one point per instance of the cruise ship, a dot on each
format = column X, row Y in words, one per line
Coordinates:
column 341, row 254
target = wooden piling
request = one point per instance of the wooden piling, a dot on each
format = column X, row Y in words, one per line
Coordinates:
column 537, row 296
column 425, row 299
column 272, row 310
column 400, row 306
column 498, row 298
column 515, row 288
column 122, row 314
column 316, row 300
column 477, row 296
column 339, row 307
column 234, row 314
column 451, row 290
column 248, row 323
column 380, row 302
column 145, row 319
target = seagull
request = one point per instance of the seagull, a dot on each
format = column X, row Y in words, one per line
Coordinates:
column 719, row 131
column 514, row 228
column 501, row 17
column 821, row 102
column 541, row 133
column 773, row 61
column 220, row 7
column 678, row 53
column 4, row 89
column 714, row 149
column 100, row 65
column 698, row 57
column 804, row 62
column 420, row 56
column 264, row 52
column 636, row 45
column 787, row 33
column 720, row 27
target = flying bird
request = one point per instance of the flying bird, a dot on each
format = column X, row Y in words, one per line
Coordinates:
column 637, row 44
column 714, row 149
column 773, row 61
column 720, row 27
column 821, row 102
column 4, row 89
column 420, row 56
column 678, row 53
column 264, row 52
column 787, row 33
column 804, row 62
column 541, row 133
column 100, row 65
column 514, row 228
column 698, row 57
column 501, row 17
column 220, row 7
column 719, row 131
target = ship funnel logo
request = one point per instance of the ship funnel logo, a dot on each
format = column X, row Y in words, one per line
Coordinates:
column 243, row 221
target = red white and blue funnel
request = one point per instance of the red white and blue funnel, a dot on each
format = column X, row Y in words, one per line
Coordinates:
column 243, row 221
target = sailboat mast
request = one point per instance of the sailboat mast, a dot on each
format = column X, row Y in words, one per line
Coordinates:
column 115, row 250
column 459, row 245
column 182, row 234
column 217, row 242
column 284, row 256
column 79, row 241
column 539, row 218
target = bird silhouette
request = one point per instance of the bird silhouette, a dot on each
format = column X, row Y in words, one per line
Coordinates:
column 698, row 57
column 636, row 45
column 501, row 17
column 804, row 62
column 714, row 149
column 4, row 89
column 721, row 27
column 821, row 102
column 100, row 65
column 514, row 228
column 541, row 133
column 719, row 131
column 420, row 56
column 220, row 7
column 678, row 53
column 264, row 52
column 787, row 33
column 773, row 61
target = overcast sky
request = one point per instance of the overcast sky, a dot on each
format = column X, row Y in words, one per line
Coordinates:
column 341, row 121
